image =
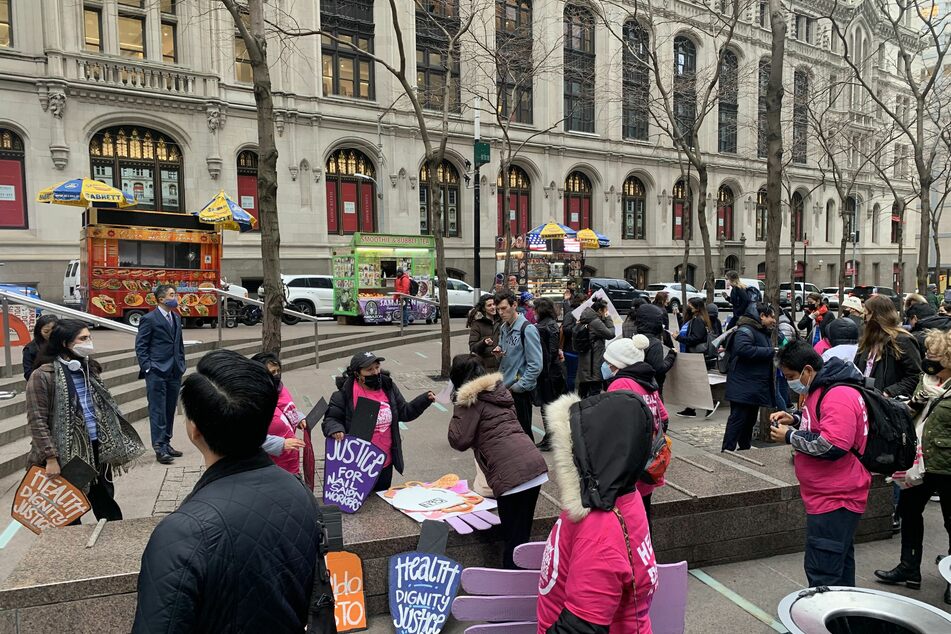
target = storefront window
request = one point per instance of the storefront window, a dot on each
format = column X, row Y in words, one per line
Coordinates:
column 144, row 163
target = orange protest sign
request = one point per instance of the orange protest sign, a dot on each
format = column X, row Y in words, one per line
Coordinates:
column 42, row 502
column 346, row 579
column 19, row 333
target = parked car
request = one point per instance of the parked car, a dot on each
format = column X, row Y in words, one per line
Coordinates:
column 802, row 290
column 620, row 292
column 462, row 297
column 674, row 289
column 864, row 292
column 309, row 294
column 72, row 289
column 720, row 295
column 831, row 295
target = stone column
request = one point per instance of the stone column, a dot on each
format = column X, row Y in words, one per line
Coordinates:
column 59, row 149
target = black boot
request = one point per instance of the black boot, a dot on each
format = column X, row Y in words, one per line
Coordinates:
column 545, row 443
column 902, row 573
column 896, row 523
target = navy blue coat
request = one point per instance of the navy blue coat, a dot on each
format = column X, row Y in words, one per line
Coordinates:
column 160, row 347
column 750, row 376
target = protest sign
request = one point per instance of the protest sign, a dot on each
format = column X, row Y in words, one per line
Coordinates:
column 422, row 501
column 688, row 383
column 42, row 502
column 351, row 468
column 422, row 587
column 346, row 579
column 612, row 311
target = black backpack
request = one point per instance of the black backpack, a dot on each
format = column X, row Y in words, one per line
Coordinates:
column 413, row 287
column 892, row 443
column 581, row 338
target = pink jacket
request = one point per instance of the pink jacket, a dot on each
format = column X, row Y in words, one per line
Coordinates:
column 284, row 424
column 656, row 406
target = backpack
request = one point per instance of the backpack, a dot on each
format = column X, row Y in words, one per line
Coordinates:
column 581, row 338
column 659, row 458
column 725, row 352
column 892, row 442
column 413, row 287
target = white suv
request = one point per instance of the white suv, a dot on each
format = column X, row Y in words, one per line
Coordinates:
column 309, row 294
column 461, row 296
column 674, row 290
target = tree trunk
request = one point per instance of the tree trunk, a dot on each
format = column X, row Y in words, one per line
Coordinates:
column 506, row 222
column 705, row 230
column 792, row 261
column 267, row 185
column 434, row 220
column 924, row 240
column 899, row 287
column 774, row 159
column 842, row 246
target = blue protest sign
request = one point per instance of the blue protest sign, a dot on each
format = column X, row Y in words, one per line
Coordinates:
column 422, row 587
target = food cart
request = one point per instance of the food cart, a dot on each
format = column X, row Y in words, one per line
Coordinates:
column 543, row 267
column 125, row 254
column 364, row 277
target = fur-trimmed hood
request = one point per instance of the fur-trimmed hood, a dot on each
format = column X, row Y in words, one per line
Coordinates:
column 615, row 429
column 489, row 384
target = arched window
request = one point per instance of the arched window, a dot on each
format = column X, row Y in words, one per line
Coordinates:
column 351, row 199
column 446, row 201
column 848, row 217
column 691, row 277
column 636, row 88
column 579, row 69
column 762, row 214
column 761, row 271
column 798, row 212
column 248, row 182
column 732, row 263
column 513, row 53
column 728, row 103
column 520, row 201
column 800, row 117
column 635, row 209
column 685, row 88
column 896, row 224
column 637, row 275
column 578, row 201
column 12, row 181
column 682, row 211
column 725, row 203
column 762, row 147
column 347, row 72
column 144, row 163
column 434, row 69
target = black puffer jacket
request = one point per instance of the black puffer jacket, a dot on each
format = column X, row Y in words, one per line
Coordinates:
column 652, row 322
column 484, row 420
column 239, row 555
column 600, row 331
column 895, row 375
column 552, row 380
column 340, row 412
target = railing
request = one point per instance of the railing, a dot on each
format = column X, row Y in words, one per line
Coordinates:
column 286, row 311
column 7, row 296
column 135, row 75
column 403, row 297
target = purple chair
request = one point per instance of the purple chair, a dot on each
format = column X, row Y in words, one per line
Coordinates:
column 505, row 601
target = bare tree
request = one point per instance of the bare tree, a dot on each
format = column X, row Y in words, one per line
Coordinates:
column 250, row 21
column 917, row 30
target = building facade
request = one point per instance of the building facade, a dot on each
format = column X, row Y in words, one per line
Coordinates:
column 155, row 96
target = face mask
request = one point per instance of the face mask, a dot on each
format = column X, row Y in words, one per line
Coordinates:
column 797, row 387
column 932, row 367
column 373, row 382
column 810, row 307
column 606, row 372
column 83, row 349
column 277, row 380
column 171, row 303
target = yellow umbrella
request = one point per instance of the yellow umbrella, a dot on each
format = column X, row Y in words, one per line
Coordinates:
column 227, row 214
column 84, row 192
column 588, row 239
column 552, row 231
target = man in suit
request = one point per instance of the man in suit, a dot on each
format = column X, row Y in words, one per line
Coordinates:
column 160, row 350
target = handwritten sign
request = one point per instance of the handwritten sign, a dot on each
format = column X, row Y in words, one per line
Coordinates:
column 346, row 579
column 422, row 587
column 42, row 502
column 351, row 468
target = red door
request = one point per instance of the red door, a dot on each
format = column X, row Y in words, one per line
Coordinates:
column 12, row 203
column 248, row 195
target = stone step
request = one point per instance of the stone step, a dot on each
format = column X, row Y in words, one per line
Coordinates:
column 131, row 394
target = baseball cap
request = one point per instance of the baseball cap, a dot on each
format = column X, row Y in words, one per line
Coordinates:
column 363, row 359
column 853, row 303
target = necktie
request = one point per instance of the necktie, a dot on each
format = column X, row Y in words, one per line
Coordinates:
column 171, row 322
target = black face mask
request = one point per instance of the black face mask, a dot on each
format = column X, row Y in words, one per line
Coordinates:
column 277, row 380
column 373, row 382
column 810, row 307
column 932, row 367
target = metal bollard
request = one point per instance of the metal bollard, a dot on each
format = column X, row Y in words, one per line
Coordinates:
column 7, row 353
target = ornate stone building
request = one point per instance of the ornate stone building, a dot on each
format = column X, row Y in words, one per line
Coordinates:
column 155, row 96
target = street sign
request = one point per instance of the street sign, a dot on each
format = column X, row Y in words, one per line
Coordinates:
column 481, row 151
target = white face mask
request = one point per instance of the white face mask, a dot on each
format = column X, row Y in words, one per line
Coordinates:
column 83, row 349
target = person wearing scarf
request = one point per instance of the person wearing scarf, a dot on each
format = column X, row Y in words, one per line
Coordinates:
column 72, row 415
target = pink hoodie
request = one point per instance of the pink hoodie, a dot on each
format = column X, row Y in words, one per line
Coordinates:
column 284, row 424
column 656, row 406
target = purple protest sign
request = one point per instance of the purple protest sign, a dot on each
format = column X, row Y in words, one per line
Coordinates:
column 351, row 468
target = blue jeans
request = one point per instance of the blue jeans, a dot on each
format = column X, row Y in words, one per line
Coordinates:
column 830, row 548
column 162, row 393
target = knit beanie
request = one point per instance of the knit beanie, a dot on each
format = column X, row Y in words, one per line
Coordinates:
column 624, row 352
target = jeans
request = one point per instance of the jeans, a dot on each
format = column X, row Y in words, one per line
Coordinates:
column 163, row 398
column 571, row 368
column 524, row 403
column 405, row 305
column 517, row 512
column 830, row 548
column 739, row 426
column 911, row 506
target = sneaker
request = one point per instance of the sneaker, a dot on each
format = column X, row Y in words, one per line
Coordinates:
column 935, row 498
column 713, row 411
column 688, row 413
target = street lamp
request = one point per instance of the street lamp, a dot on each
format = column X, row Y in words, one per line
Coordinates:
column 379, row 190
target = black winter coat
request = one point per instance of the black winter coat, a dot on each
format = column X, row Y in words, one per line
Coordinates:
column 600, row 331
column 740, row 302
column 895, row 376
column 750, row 379
column 552, row 381
column 482, row 327
column 239, row 555
column 919, row 332
column 30, row 353
column 696, row 334
column 340, row 412
column 651, row 322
